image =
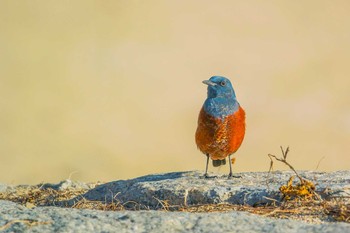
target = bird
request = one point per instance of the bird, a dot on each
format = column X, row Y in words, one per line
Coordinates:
column 221, row 123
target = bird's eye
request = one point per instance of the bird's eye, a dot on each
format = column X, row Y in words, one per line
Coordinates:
column 223, row 83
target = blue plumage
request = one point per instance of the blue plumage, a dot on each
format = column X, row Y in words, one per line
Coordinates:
column 221, row 100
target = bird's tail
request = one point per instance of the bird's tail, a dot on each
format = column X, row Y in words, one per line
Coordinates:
column 218, row 163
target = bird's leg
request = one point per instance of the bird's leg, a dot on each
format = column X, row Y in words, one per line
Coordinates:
column 229, row 161
column 230, row 174
column 206, row 167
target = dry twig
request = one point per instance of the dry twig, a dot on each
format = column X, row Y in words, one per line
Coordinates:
column 284, row 160
column 306, row 188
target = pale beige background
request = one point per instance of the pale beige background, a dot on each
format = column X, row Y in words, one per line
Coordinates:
column 110, row 90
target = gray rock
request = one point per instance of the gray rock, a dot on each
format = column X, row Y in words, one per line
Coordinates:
column 3, row 187
column 68, row 184
column 179, row 188
column 190, row 188
column 16, row 218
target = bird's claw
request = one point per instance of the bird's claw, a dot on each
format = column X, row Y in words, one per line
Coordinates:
column 232, row 176
column 206, row 176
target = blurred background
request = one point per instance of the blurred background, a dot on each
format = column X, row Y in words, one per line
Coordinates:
column 108, row 90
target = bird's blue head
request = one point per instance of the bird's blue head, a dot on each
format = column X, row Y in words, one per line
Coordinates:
column 219, row 86
column 221, row 100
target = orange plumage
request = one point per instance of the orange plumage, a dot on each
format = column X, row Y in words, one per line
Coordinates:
column 220, row 137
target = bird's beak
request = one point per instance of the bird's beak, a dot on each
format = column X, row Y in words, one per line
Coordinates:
column 209, row 83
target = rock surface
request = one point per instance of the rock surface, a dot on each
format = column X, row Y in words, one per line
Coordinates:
column 178, row 188
column 16, row 218
column 188, row 188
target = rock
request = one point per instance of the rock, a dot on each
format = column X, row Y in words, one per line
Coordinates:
column 68, row 184
column 16, row 218
column 190, row 188
column 3, row 187
column 178, row 189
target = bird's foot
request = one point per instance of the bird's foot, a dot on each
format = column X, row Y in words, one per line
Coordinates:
column 232, row 176
column 206, row 176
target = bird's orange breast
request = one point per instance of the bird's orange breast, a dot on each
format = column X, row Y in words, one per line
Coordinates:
column 220, row 137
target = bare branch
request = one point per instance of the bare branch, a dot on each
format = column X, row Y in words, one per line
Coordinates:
column 284, row 160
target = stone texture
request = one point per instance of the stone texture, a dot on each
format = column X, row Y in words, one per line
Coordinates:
column 69, row 184
column 177, row 188
column 3, row 187
column 180, row 188
column 55, row 219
